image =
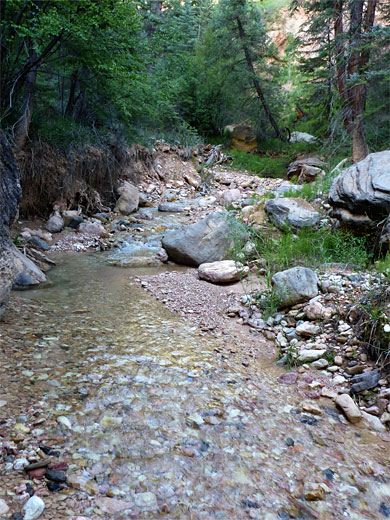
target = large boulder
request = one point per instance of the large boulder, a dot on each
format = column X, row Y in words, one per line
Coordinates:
column 361, row 193
column 128, row 200
column 205, row 241
column 55, row 224
column 10, row 194
column 295, row 213
column 243, row 137
column 295, row 285
column 225, row 271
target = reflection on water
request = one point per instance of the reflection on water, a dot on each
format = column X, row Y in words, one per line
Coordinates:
column 155, row 408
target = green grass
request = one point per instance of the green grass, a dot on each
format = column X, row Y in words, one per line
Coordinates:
column 309, row 247
column 272, row 160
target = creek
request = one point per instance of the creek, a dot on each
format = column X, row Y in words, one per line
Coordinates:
column 163, row 421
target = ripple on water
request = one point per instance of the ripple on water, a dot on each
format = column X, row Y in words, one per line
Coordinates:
column 164, row 422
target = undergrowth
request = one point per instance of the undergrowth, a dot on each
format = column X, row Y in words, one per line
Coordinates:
column 272, row 160
column 308, row 247
column 373, row 325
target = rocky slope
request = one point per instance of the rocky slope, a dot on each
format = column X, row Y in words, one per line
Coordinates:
column 10, row 194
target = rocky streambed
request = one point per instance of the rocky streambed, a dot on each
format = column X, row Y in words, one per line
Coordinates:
column 131, row 388
column 138, row 415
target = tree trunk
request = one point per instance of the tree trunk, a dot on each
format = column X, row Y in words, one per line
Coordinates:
column 359, row 144
column 72, row 93
column 279, row 134
column 23, row 124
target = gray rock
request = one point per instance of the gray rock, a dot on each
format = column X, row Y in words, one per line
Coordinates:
column 296, row 168
column 205, row 241
column 364, row 188
column 75, row 223
column 170, row 207
column 24, row 281
column 295, row 285
column 26, row 272
column 307, row 356
column 38, row 243
column 10, row 194
column 365, row 381
column 286, row 187
column 128, row 199
column 55, row 224
column 224, row 271
column 33, row 508
column 302, row 137
column 296, row 213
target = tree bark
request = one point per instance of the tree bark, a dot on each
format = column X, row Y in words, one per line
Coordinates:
column 23, row 124
column 72, row 93
column 279, row 134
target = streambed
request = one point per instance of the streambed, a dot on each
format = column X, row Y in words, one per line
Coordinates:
column 163, row 421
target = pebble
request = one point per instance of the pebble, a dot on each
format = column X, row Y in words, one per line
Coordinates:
column 306, row 356
column 64, row 421
column 319, row 364
column 33, row 508
column 308, row 329
column 348, row 406
column 315, row 492
column 3, row 507
column 146, row 499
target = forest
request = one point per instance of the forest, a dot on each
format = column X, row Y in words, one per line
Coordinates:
column 83, row 72
column 194, row 259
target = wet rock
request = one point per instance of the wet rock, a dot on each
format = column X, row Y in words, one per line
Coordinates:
column 225, row 271
column 128, row 200
column 33, row 508
column 55, row 224
column 291, row 213
column 146, row 499
column 205, row 241
column 26, row 272
column 348, row 406
column 365, row 381
column 295, row 285
column 308, row 355
column 170, row 207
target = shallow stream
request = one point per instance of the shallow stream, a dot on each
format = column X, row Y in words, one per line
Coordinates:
column 163, row 419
